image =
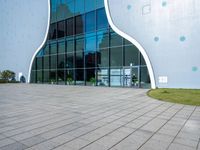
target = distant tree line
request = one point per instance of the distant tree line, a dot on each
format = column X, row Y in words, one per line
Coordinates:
column 7, row 76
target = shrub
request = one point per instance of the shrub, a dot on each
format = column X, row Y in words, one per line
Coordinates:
column 8, row 75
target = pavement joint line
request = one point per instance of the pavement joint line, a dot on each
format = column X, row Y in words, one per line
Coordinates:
column 125, row 125
column 59, row 112
column 76, row 128
column 63, row 120
column 160, row 127
column 91, row 123
column 182, row 127
column 110, row 123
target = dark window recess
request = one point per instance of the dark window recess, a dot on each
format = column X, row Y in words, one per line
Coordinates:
column 52, row 31
column 70, row 27
column 79, row 24
column 61, row 29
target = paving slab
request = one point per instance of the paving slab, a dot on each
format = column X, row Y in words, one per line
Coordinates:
column 58, row 117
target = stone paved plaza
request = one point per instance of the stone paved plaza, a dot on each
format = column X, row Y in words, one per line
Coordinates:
column 45, row 117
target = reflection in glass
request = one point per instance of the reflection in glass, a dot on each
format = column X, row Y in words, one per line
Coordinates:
column 53, row 59
column 52, row 77
column 70, row 46
column 39, row 63
column 61, row 29
column 69, row 8
column 131, row 55
column 46, row 62
column 79, row 23
column 79, row 7
column 90, row 21
column 69, row 77
column 61, row 47
column 102, row 21
column 39, row 76
column 70, row 27
column 103, row 58
column 90, row 76
column 61, row 77
column 46, row 77
column 115, row 39
column 70, row 60
column 90, row 43
column 89, row 5
column 80, row 77
column 90, row 60
column 61, row 61
column 79, row 60
column 53, row 48
column 52, row 31
column 116, row 56
column 102, row 40
column 102, row 77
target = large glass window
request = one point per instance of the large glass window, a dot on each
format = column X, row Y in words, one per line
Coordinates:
column 79, row 7
column 102, row 21
column 90, row 59
column 69, row 8
column 61, row 10
column 99, row 3
column 61, row 76
column 53, row 48
column 33, row 76
column 53, row 31
column 116, row 77
column 39, row 76
column 39, row 63
column 61, row 47
column 61, row 29
column 103, row 58
column 79, row 60
column 116, row 56
column 46, row 77
column 46, row 62
column 53, row 59
column 80, row 77
column 89, row 5
column 115, row 39
column 70, row 27
column 53, row 77
column 102, row 77
column 69, row 77
column 70, row 60
column 53, row 10
column 90, row 43
column 70, row 45
column 80, row 44
column 131, row 56
column 90, row 22
column 102, row 40
column 61, row 61
column 90, row 76
column 46, row 50
column 79, row 24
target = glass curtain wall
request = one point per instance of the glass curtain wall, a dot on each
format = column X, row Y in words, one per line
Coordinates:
column 82, row 49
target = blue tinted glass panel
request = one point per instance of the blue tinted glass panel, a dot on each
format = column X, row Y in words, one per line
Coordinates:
column 53, row 48
column 99, row 3
column 102, row 21
column 61, row 10
column 90, row 43
column 79, row 7
column 69, row 10
column 89, row 5
column 79, row 24
column 53, row 10
column 70, row 27
column 102, row 40
column 90, row 22
column 61, row 29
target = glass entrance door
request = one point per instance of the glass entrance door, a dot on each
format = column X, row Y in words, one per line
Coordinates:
column 131, row 75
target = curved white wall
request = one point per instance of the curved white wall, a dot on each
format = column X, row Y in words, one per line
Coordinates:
column 169, row 31
column 22, row 30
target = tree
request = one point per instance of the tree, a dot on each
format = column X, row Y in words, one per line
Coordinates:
column 7, row 75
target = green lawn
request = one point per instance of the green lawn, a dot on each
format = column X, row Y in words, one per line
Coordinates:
column 182, row 96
